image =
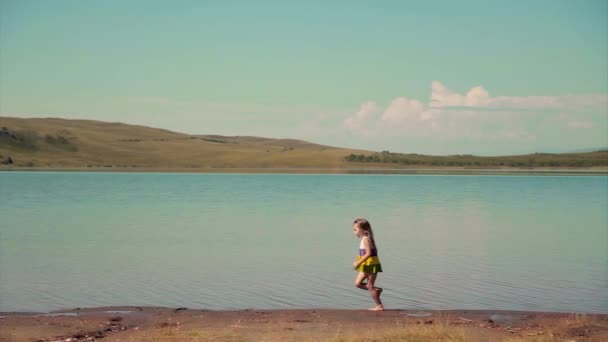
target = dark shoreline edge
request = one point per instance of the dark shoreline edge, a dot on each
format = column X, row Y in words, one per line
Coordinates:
column 378, row 171
column 143, row 308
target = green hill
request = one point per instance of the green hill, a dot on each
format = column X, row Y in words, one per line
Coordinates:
column 76, row 144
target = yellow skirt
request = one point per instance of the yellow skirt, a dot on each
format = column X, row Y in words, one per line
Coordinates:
column 370, row 266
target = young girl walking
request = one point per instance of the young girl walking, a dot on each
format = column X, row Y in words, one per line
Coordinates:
column 367, row 263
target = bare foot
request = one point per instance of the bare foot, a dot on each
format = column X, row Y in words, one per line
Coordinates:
column 377, row 308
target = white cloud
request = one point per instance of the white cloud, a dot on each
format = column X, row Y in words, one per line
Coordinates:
column 474, row 115
column 360, row 122
column 479, row 98
column 442, row 96
column 402, row 109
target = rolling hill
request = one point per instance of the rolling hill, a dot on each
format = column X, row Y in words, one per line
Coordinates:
column 76, row 144
column 66, row 143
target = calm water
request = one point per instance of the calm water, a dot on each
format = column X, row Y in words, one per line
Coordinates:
column 228, row 241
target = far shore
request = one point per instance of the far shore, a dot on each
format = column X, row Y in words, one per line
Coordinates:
column 290, row 170
column 182, row 324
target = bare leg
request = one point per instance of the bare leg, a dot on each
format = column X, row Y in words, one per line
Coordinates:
column 359, row 281
column 374, row 292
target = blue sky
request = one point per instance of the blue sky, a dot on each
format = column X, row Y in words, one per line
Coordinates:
column 438, row 77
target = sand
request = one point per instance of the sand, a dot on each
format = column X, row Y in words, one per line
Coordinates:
column 182, row 324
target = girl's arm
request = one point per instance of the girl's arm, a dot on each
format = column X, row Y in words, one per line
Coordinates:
column 368, row 252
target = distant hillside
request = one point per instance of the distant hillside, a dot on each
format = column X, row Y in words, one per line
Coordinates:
column 569, row 160
column 62, row 143
column 82, row 143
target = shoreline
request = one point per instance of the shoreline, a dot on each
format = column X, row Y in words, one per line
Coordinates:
column 145, row 308
column 135, row 323
column 379, row 171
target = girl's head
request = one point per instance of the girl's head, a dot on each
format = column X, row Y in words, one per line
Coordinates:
column 361, row 228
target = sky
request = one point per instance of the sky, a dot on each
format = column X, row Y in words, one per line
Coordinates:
column 433, row 77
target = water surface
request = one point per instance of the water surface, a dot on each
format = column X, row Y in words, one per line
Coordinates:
column 232, row 241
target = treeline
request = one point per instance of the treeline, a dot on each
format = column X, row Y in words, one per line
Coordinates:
column 599, row 158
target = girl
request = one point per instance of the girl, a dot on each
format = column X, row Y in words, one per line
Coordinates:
column 367, row 263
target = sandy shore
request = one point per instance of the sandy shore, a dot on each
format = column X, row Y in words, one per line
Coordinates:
column 181, row 324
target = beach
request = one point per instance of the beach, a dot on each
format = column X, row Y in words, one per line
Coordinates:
column 182, row 324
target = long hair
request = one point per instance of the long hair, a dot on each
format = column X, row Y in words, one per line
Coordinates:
column 367, row 229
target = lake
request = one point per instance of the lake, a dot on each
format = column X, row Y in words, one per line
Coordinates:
column 236, row 241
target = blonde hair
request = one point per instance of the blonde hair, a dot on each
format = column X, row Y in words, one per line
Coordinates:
column 367, row 229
